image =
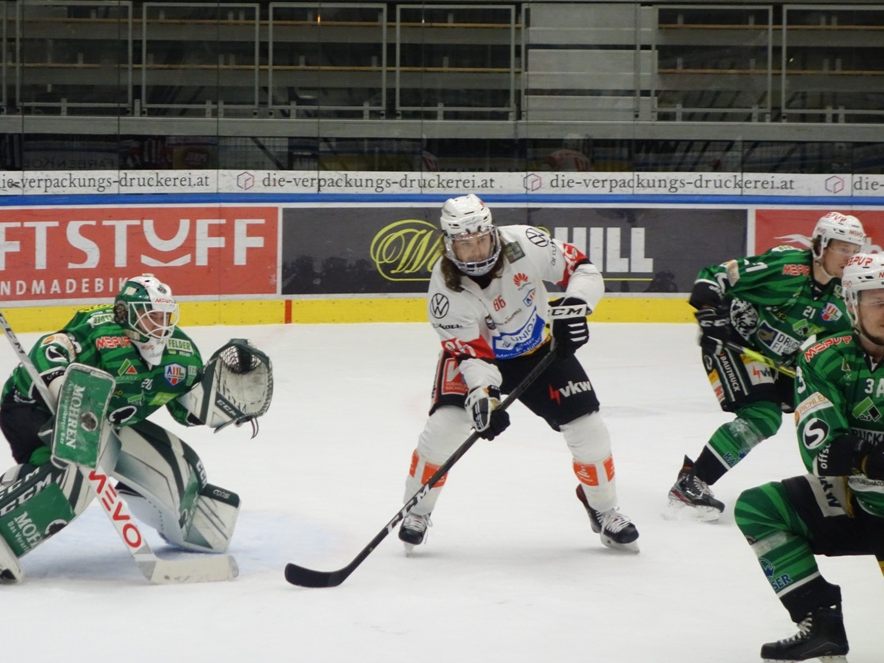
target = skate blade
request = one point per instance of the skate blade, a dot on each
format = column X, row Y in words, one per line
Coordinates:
column 631, row 547
column 678, row 510
column 409, row 548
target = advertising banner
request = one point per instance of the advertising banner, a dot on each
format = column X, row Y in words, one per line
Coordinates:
column 85, row 253
column 393, row 249
column 298, row 182
column 794, row 226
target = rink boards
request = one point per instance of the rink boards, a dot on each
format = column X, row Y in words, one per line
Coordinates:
column 261, row 258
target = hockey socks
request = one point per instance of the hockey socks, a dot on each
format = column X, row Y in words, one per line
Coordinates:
column 735, row 439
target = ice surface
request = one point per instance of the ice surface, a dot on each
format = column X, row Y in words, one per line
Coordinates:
column 511, row 572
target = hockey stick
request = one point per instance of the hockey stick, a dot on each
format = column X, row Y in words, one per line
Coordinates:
column 298, row 575
column 158, row 571
column 754, row 355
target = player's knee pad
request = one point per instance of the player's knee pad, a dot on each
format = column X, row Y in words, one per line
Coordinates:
column 588, row 438
column 37, row 502
column 763, row 511
column 445, row 430
column 763, row 418
column 164, row 483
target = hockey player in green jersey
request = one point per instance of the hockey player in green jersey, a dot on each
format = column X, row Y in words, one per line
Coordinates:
column 153, row 363
column 838, row 508
column 770, row 304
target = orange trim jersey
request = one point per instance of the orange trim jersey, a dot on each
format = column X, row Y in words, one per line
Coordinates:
column 507, row 319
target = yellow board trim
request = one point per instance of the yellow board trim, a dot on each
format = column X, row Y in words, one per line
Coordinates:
column 414, row 309
column 344, row 310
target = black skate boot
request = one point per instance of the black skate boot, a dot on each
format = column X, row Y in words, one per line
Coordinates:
column 691, row 494
column 413, row 530
column 820, row 635
column 615, row 529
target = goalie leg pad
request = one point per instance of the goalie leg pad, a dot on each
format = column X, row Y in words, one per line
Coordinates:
column 37, row 502
column 590, row 445
column 214, row 520
column 164, row 483
column 10, row 570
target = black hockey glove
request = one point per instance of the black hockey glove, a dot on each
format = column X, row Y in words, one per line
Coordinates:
column 571, row 332
column 715, row 328
column 481, row 405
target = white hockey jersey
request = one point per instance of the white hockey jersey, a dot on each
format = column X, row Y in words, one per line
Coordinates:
column 508, row 318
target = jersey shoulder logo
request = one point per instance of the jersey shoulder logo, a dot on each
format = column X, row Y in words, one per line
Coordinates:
column 796, row 270
column 513, row 251
column 439, row 305
column 174, row 373
column 825, row 344
column 831, row 312
column 537, row 237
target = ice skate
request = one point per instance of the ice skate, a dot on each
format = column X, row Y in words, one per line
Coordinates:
column 820, row 636
column 691, row 498
column 615, row 529
column 413, row 530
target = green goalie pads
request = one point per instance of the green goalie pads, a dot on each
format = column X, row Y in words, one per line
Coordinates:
column 80, row 418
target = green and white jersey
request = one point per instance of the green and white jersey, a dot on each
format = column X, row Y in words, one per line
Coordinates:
column 839, row 391
column 774, row 302
column 93, row 338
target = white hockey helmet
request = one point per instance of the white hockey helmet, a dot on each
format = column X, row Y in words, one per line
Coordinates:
column 467, row 217
column 148, row 313
column 835, row 225
column 864, row 271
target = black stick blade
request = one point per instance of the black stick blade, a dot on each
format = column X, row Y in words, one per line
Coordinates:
column 298, row 575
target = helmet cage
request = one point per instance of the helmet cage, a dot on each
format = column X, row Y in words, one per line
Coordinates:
column 467, row 218
column 147, row 308
column 834, row 225
column 152, row 321
column 478, row 267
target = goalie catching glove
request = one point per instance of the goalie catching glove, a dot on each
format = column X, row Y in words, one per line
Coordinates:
column 236, row 387
column 481, row 405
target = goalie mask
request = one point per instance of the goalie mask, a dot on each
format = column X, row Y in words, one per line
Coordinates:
column 472, row 242
column 148, row 312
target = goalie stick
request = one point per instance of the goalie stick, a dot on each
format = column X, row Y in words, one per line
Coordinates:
column 299, row 575
column 158, row 571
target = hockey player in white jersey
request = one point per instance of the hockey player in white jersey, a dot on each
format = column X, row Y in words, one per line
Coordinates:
column 488, row 302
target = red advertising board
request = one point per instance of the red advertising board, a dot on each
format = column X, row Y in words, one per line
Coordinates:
column 86, row 253
column 792, row 226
